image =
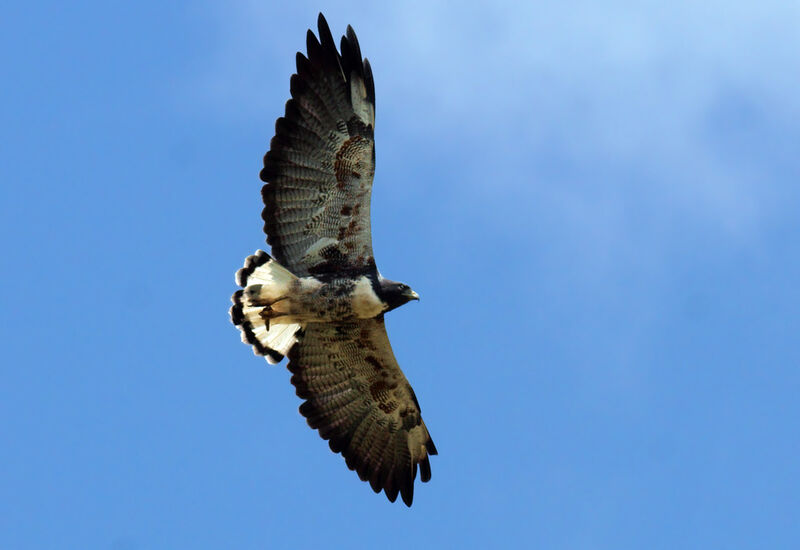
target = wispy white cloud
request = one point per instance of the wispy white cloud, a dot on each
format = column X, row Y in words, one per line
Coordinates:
column 594, row 103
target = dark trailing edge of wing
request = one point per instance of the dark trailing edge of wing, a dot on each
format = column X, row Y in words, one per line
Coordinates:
column 332, row 68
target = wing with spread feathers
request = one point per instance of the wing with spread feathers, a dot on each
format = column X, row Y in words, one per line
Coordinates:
column 321, row 162
column 360, row 401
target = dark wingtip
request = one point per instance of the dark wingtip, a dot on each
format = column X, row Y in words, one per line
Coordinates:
column 302, row 63
column 312, row 45
column 430, row 447
column 391, row 490
column 369, row 82
column 425, row 470
column 374, row 484
column 325, row 36
column 352, row 52
column 407, row 489
column 351, row 36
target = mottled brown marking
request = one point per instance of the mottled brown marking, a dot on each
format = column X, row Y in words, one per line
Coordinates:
column 409, row 418
column 353, row 227
column 346, row 210
column 374, row 362
column 378, row 389
column 346, row 160
column 388, row 407
column 364, row 340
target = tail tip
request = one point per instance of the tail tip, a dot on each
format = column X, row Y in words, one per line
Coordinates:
column 251, row 263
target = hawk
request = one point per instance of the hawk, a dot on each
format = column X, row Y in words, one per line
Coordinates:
column 319, row 299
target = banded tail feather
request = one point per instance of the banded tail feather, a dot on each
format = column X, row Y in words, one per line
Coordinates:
column 264, row 282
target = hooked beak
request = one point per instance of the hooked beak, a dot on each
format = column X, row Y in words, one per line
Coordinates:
column 412, row 295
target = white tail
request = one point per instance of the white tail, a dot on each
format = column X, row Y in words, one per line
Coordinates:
column 265, row 281
column 261, row 269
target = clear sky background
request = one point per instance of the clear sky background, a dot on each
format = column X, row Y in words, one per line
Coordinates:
column 597, row 202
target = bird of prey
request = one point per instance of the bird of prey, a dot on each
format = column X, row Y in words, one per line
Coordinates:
column 319, row 299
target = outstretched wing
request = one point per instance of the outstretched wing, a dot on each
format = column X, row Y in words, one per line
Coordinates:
column 321, row 162
column 360, row 401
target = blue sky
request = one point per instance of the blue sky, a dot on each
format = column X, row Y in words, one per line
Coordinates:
column 597, row 203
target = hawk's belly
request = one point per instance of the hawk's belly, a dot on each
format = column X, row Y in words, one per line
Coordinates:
column 337, row 300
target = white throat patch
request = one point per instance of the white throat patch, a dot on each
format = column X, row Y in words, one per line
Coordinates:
column 366, row 303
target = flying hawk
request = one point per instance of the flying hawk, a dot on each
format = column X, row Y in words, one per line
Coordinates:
column 320, row 300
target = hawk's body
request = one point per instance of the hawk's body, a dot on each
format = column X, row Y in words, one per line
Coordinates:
column 321, row 300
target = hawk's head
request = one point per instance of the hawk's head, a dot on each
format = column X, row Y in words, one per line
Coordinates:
column 396, row 294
